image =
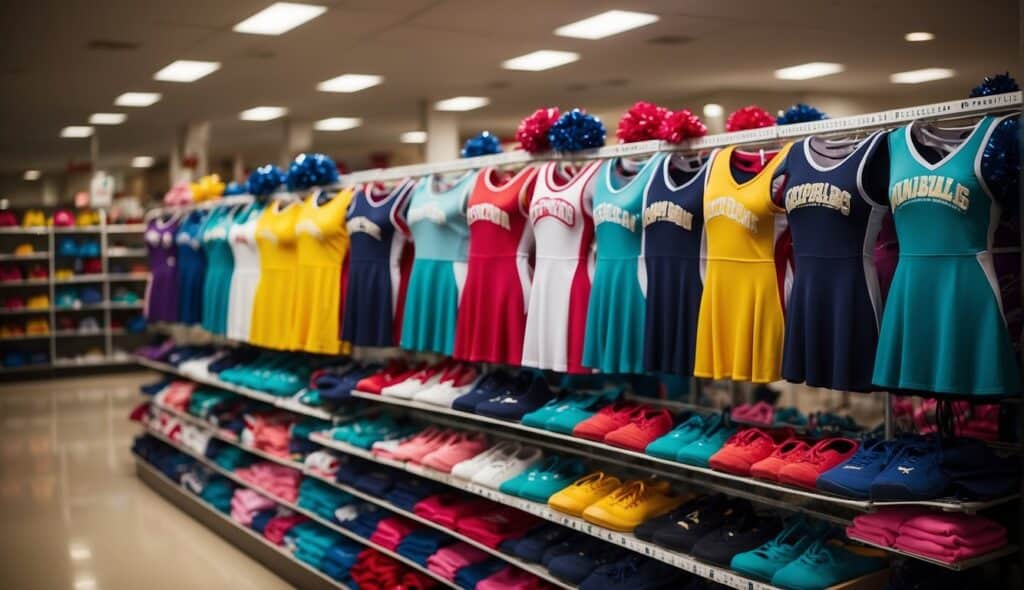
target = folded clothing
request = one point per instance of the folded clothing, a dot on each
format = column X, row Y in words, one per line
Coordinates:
column 408, row 491
column 278, row 480
column 321, row 498
column 365, row 521
column 952, row 523
column 261, row 518
column 447, row 508
column 944, row 553
column 323, row 463
column 391, row 530
column 420, row 544
column 245, row 503
column 279, row 526
column 469, row 576
column 449, row 560
column 500, row 524
column 512, row 578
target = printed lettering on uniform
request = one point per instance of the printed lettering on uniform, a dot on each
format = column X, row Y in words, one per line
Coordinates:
column 669, row 212
column 429, row 212
column 731, row 208
column 552, row 207
column 308, row 226
column 818, row 194
column 488, row 212
column 930, row 188
column 610, row 213
column 363, row 225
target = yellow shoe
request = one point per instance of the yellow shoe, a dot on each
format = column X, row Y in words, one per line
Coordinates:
column 37, row 326
column 635, row 502
column 38, row 302
column 583, row 492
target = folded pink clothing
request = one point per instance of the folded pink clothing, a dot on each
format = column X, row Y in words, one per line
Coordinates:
column 499, row 525
column 512, row 578
column 241, row 516
column 447, row 508
column 941, row 553
column 448, row 560
column 955, row 541
column 888, row 519
column 876, row 531
column 392, row 530
column 250, row 500
column 883, row 538
column 278, row 526
column 952, row 523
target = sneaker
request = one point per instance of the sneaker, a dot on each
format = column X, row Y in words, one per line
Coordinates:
column 427, row 376
column 913, row 473
column 645, row 532
column 712, row 513
column 762, row 563
column 539, row 417
column 827, row 563
column 513, row 404
column 455, row 450
column 632, row 504
column 633, row 572
column 667, row 446
column 395, row 372
column 646, row 427
column 416, row 447
column 532, row 547
column 716, row 432
column 791, row 451
column 823, row 456
column 457, row 381
column 465, row 470
column 504, row 468
column 575, row 565
column 852, row 478
column 579, row 408
column 607, row 419
column 743, row 534
column 487, row 387
column 584, row 492
column 747, row 447
column 541, row 482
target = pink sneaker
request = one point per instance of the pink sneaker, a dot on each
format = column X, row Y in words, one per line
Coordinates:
column 410, row 446
column 463, row 446
column 416, row 453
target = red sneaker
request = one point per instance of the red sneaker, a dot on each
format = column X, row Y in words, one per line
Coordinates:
column 650, row 424
column 607, row 419
column 788, row 452
column 820, row 458
column 395, row 372
column 747, row 447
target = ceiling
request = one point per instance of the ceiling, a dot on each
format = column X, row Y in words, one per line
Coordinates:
column 432, row 49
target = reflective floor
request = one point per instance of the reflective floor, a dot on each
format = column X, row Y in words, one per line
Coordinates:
column 72, row 513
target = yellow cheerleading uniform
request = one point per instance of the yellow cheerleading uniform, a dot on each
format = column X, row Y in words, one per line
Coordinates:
column 273, row 308
column 740, row 327
column 322, row 248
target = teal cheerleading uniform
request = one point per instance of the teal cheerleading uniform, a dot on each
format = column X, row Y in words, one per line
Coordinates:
column 220, row 265
column 440, row 232
column 614, row 339
column 943, row 328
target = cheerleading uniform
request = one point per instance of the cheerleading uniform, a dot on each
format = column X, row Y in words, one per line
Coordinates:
column 273, row 308
column 560, row 216
column 835, row 302
column 440, row 233
column 162, row 290
column 219, row 268
column 492, row 315
column 191, row 263
column 943, row 329
column 246, row 277
column 673, row 221
column 615, row 314
column 378, row 237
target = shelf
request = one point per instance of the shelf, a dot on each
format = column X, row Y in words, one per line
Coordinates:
column 25, row 283
column 119, row 305
column 107, row 361
column 77, row 334
column 86, row 229
column 123, row 277
column 25, row 337
column 24, row 231
column 117, row 252
column 24, row 257
column 90, row 307
column 956, row 566
column 25, row 311
column 126, row 228
column 93, row 278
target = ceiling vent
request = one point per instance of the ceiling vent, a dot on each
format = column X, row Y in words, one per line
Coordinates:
column 112, row 45
column 670, row 40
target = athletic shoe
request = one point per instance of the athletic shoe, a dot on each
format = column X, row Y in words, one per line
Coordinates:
column 646, row 427
column 489, row 386
column 580, row 407
column 395, row 372
column 747, row 447
column 533, row 546
column 540, row 416
column 541, row 482
column 852, row 478
column 632, row 504
column 713, row 513
column 576, row 565
column 455, row 382
column 714, row 436
column 504, row 468
column 607, row 419
column 455, row 450
column 633, row 572
column 512, row 404
column 668, row 445
column 823, row 456
column 470, row 467
column 584, row 492
column 645, row 532
column 913, row 473
column 827, row 563
column 743, row 534
column 791, row 451
column 426, row 377
column 762, row 563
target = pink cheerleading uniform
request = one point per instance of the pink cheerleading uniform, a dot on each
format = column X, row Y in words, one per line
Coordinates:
column 560, row 215
column 492, row 312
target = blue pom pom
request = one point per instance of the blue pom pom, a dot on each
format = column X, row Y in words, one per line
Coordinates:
column 481, row 145
column 309, row 170
column 998, row 84
column 576, row 130
column 1000, row 160
column 265, row 180
column 235, row 188
column 800, row 113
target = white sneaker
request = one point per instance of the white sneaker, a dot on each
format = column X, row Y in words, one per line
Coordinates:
column 468, row 468
column 427, row 377
column 503, row 469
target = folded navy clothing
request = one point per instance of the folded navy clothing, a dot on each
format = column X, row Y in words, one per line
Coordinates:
column 351, row 469
column 337, row 572
column 335, row 388
column 298, row 446
column 377, row 482
column 366, row 523
column 536, row 542
column 156, row 387
column 343, row 553
column 233, row 358
column 261, row 518
column 420, row 544
column 408, row 491
column 976, row 472
column 468, row 577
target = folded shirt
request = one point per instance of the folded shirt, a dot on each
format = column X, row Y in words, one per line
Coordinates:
column 876, row 536
column 390, row 531
column 447, row 561
column 941, row 552
column 500, row 524
column 983, row 539
column 952, row 523
column 511, row 578
column 279, row 526
column 447, row 508
column 471, row 575
column 887, row 519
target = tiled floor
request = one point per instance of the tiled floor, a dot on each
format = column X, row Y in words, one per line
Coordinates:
column 72, row 513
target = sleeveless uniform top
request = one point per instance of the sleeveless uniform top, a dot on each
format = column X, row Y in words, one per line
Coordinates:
column 740, row 328
column 162, row 289
column 943, row 329
column 673, row 221
column 437, row 220
column 246, row 277
column 219, row 268
column 378, row 238
column 191, row 269
column 834, row 305
column 615, row 314
column 322, row 244
column 560, row 215
column 492, row 314
column 273, row 308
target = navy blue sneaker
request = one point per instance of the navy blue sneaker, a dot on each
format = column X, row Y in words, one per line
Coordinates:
column 490, row 386
column 512, row 404
column 852, row 478
column 717, row 511
column 335, row 388
column 914, row 473
column 634, row 572
column 744, row 534
column 576, row 566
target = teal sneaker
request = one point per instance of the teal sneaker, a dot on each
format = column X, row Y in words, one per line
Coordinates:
column 540, row 483
column 538, row 417
column 827, row 563
column 787, row 547
column 579, row 408
column 714, row 436
column 668, row 446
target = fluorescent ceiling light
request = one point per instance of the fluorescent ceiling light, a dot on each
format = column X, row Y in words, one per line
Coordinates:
column 712, row 110
column 185, row 70
column 414, row 137
column 545, row 59
column 137, row 99
column 337, row 123
column 32, row 175
column 815, row 69
column 606, row 24
column 279, row 18
column 76, row 131
column 919, row 76
column 918, row 36
column 349, row 83
column 107, row 118
column 462, row 103
column 79, row 551
column 262, row 113
column 142, row 161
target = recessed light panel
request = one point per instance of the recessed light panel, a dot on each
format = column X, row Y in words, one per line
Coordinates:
column 142, row 161
column 76, row 131
column 606, row 24
column 262, row 113
column 414, row 137
column 32, row 175
column 337, row 123
column 814, row 69
column 186, row 70
column 107, row 118
column 462, row 103
column 137, row 99
column 349, row 83
column 279, row 18
column 919, row 76
column 545, row 59
column 919, row 36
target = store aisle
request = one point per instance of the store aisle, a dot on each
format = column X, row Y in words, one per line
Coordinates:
column 72, row 513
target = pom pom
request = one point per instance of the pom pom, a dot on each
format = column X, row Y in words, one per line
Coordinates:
column 1000, row 160
column 998, row 84
column 179, row 194
column 235, row 188
column 641, row 122
column 209, row 187
column 750, row 117
column 576, row 130
column 680, row 125
column 309, row 170
column 265, row 180
column 532, row 133
column 799, row 113
column 481, row 145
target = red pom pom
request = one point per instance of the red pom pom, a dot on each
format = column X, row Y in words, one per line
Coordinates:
column 641, row 122
column 751, row 117
column 680, row 125
column 532, row 133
